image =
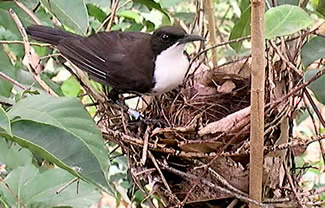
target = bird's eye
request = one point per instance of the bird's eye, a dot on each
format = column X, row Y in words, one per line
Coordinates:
column 165, row 37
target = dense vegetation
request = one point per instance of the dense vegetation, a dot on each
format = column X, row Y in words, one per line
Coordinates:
column 52, row 153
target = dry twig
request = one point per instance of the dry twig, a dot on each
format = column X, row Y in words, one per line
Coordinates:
column 28, row 54
column 28, row 12
column 6, row 77
column 12, row 193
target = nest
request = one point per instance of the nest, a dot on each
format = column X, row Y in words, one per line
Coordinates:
column 198, row 152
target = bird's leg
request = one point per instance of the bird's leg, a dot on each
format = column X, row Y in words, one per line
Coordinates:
column 134, row 113
column 114, row 96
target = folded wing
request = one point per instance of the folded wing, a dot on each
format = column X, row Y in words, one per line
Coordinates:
column 113, row 58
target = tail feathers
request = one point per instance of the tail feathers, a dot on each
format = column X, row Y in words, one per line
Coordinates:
column 48, row 35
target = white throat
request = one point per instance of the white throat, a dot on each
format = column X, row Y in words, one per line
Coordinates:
column 170, row 69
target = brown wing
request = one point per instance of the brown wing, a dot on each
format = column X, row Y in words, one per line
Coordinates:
column 123, row 60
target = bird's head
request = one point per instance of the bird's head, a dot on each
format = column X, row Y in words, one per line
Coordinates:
column 168, row 36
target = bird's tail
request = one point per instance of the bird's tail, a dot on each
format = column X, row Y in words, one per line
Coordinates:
column 48, row 35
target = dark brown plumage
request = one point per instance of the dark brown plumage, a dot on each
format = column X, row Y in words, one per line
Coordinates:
column 123, row 60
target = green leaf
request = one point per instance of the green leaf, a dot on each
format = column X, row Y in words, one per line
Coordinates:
column 37, row 188
column 14, row 155
column 153, row 5
column 7, row 22
column 25, row 78
column 130, row 15
column 96, row 12
column 244, row 4
column 7, row 68
column 318, row 86
column 242, row 28
column 53, row 85
column 30, row 3
column 100, row 3
column 70, row 13
column 187, row 17
column 285, row 20
column 169, row 3
column 4, row 121
column 134, row 28
column 321, row 7
column 61, row 148
column 291, row 2
column 313, row 50
column 68, row 117
column 6, row 100
column 71, row 87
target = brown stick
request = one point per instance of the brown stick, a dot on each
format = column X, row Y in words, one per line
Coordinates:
column 28, row 53
column 207, row 182
column 208, row 6
column 113, row 13
column 6, row 77
column 257, row 102
column 12, row 193
column 28, row 12
column 22, row 42
column 293, row 188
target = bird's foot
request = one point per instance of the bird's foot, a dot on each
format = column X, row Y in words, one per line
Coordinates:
column 135, row 114
column 155, row 122
column 139, row 117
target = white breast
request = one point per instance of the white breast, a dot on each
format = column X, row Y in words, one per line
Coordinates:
column 171, row 67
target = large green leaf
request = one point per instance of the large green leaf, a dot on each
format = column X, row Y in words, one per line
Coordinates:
column 71, row 87
column 7, row 22
column 31, row 4
column 313, row 50
column 60, row 147
column 6, row 100
column 7, row 68
column 169, row 3
column 101, row 3
column 68, row 117
column 53, row 85
column 153, row 5
column 4, row 121
column 321, row 7
column 13, row 156
column 244, row 4
column 187, row 17
column 318, row 86
column 130, row 15
column 292, row 2
column 70, row 13
column 37, row 188
column 242, row 28
column 285, row 20
column 96, row 12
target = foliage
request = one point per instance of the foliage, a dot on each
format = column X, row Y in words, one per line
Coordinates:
column 44, row 137
column 33, row 187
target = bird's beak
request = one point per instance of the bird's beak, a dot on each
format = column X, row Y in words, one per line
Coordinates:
column 190, row 38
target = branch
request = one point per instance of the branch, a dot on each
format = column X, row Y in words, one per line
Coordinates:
column 192, row 177
column 113, row 13
column 6, row 77
column 12, row 193
column 208, row 5
column 22, row 42
column 28, row 12
column 257, row 102
column 28, row 53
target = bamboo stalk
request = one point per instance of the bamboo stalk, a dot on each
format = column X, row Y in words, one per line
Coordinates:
column 208, row 7
column 257, row 101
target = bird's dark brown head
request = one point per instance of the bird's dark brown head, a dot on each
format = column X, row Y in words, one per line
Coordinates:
column 167, row 36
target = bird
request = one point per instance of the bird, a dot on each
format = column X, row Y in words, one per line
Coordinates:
column 129, row 62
